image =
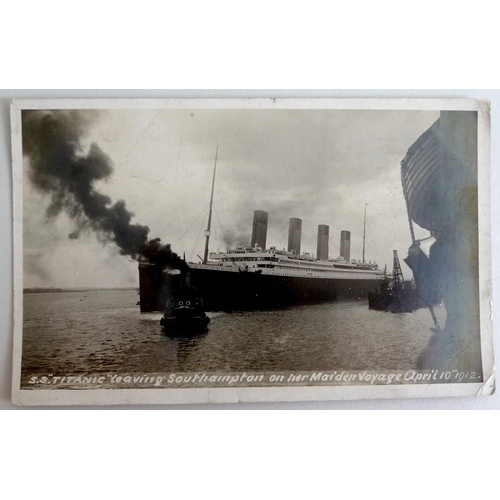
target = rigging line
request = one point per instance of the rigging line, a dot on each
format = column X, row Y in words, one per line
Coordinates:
column 370, row 248
column 273, row 233
column 191, row 225
column 218, row 219
column 180, row 142
column 285, row 228
column 360, row 246
column 141, row 136
column 197, row 240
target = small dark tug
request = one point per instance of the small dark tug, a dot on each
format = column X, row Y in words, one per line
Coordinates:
column 184, row 314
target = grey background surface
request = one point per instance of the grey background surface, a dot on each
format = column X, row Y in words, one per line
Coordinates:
column 492, row 402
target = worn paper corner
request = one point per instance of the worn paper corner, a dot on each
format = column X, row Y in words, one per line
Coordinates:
column 485, row 106
column 489, row 386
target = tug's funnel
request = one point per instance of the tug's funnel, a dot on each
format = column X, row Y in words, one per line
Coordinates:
column 345, row 245
column 294, row 236
column 259, row 229
column 323, row 235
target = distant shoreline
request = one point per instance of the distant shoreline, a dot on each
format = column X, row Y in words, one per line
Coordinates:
column 65, row 290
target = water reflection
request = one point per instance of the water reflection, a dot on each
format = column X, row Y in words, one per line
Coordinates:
column 103, row 332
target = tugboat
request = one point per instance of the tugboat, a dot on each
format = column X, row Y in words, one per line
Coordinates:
column 184, row 314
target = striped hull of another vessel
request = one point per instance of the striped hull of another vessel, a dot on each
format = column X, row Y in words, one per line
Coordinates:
column 421, row 174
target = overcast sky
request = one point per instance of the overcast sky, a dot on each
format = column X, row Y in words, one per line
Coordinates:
column 320, row 166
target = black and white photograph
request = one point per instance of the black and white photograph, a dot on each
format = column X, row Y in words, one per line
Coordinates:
column 226, row 250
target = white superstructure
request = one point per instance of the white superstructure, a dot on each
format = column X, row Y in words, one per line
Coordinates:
column 280, row 263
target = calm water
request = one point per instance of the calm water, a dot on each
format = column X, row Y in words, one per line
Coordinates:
column 103, row 331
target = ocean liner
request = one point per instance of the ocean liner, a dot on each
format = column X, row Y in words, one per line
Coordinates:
column 257, row 277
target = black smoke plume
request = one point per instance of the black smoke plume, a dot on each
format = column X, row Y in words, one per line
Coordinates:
column 60, row 167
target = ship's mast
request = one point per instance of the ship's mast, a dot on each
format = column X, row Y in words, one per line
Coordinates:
column 207, row 232
column 364, row 235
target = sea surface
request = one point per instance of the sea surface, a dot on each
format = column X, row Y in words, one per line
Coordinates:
column 102, row 331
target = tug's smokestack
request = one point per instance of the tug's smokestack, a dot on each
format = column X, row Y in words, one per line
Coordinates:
column 294, row 236
column 323, row 235
column 345, row 245
column 259, row 229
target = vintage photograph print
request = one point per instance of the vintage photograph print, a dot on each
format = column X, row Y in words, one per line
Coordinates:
column 190, row 251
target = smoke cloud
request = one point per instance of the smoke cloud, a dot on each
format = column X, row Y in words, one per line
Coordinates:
column 233, row 239
column 60, row 166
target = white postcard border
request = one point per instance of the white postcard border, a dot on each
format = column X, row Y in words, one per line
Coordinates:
column 258, row 394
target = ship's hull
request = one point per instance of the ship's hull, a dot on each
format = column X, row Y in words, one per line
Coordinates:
column 222, row 290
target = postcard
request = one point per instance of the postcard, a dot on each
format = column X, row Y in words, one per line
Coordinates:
column 250, row 250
